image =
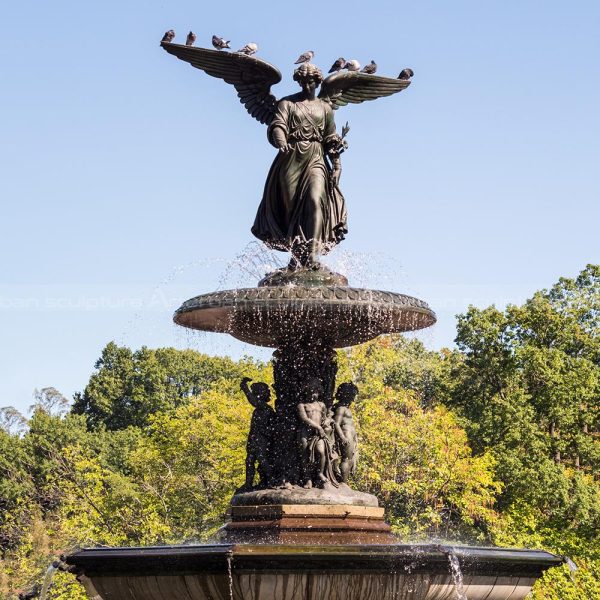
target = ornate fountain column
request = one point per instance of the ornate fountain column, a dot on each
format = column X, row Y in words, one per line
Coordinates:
column 305, row 314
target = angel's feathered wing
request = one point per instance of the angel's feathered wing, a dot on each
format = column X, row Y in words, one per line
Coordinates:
column 251, row 77
column 345, row 88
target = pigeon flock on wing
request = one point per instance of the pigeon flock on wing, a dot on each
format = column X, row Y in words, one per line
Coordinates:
column 251, row 48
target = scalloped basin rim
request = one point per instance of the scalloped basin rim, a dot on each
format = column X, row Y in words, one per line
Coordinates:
column 275, row 315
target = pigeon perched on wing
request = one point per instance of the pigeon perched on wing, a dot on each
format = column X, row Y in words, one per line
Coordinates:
column 249, row 49
column 406, row 74
column 191, row 38
column 370, row 68
column 338, row 65
column 219, row 43
column 304, row 58
column 169, row 36
column 353, row 65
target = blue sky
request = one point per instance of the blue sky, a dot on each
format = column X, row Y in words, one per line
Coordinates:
column 129, row 180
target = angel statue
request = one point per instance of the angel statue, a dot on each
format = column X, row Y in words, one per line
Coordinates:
column 302, row 210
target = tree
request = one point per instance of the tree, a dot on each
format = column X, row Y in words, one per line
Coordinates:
column 49, row 400
column 128, row 387
column 528, row 387
column 414, row 455
column 11, row 420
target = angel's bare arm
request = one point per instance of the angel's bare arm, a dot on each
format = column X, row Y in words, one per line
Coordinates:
column 279, row 140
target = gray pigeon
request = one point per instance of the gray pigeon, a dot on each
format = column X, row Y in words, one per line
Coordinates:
column 353, row 65
column 169, row 36
column 249, row 49
column 338, row 65
column 191, row 38
column 370, row 68
column 406, row 74
column 304, row 58
column 219, row 43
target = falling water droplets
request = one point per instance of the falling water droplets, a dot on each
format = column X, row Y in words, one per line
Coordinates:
column 251, row 265
column 457, row 576
column 48, row 580
column 230, row 575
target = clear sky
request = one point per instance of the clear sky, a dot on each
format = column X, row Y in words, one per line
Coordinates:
column 129, row 180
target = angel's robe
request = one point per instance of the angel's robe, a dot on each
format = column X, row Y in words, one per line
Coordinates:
column 300, row 203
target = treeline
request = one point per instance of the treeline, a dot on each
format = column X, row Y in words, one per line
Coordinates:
column 495, row 442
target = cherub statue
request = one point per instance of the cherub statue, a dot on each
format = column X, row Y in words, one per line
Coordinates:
column 260, row 435
column 316, row 439
column 302, row 209
column 345, row 429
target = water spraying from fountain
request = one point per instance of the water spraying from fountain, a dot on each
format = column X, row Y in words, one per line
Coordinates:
column 48, row 580
column 230, row 576
column 457, row 576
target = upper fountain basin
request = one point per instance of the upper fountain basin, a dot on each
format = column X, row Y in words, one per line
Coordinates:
column 277, row 315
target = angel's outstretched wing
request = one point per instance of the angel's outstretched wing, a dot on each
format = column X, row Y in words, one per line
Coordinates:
column 251, row 77
column 340, row 89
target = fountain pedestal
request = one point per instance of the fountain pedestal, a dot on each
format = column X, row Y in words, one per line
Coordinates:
column 307, row 524
column 305, row 314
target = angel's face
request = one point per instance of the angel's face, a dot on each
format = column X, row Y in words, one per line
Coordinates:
column 309, row 85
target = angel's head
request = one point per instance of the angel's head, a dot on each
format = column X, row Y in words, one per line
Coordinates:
column 309, row 77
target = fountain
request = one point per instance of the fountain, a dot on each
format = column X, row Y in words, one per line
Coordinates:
column 296, row 528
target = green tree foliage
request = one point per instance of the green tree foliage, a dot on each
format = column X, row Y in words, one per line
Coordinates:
column 130, row 386
column 17, row 491
column 414, row 455
column 529, row 389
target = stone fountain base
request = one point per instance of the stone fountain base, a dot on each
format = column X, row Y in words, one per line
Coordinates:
column 307, row 572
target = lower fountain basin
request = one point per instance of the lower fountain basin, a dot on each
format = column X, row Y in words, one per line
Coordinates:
column 278, row 572
column 275, row 315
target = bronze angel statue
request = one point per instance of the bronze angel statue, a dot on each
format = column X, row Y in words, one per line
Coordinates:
column 302, row 209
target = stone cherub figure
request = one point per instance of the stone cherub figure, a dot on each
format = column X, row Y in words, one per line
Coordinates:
column 345, row 429
column 260, row 435
column 316, row 441
column 302, row 209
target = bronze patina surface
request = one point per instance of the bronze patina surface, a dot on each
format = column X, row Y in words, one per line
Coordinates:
column 302, row 210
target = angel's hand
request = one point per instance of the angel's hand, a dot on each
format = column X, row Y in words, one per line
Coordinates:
column 285, row 148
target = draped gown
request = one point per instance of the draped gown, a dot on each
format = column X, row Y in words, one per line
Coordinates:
column 299, row 182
